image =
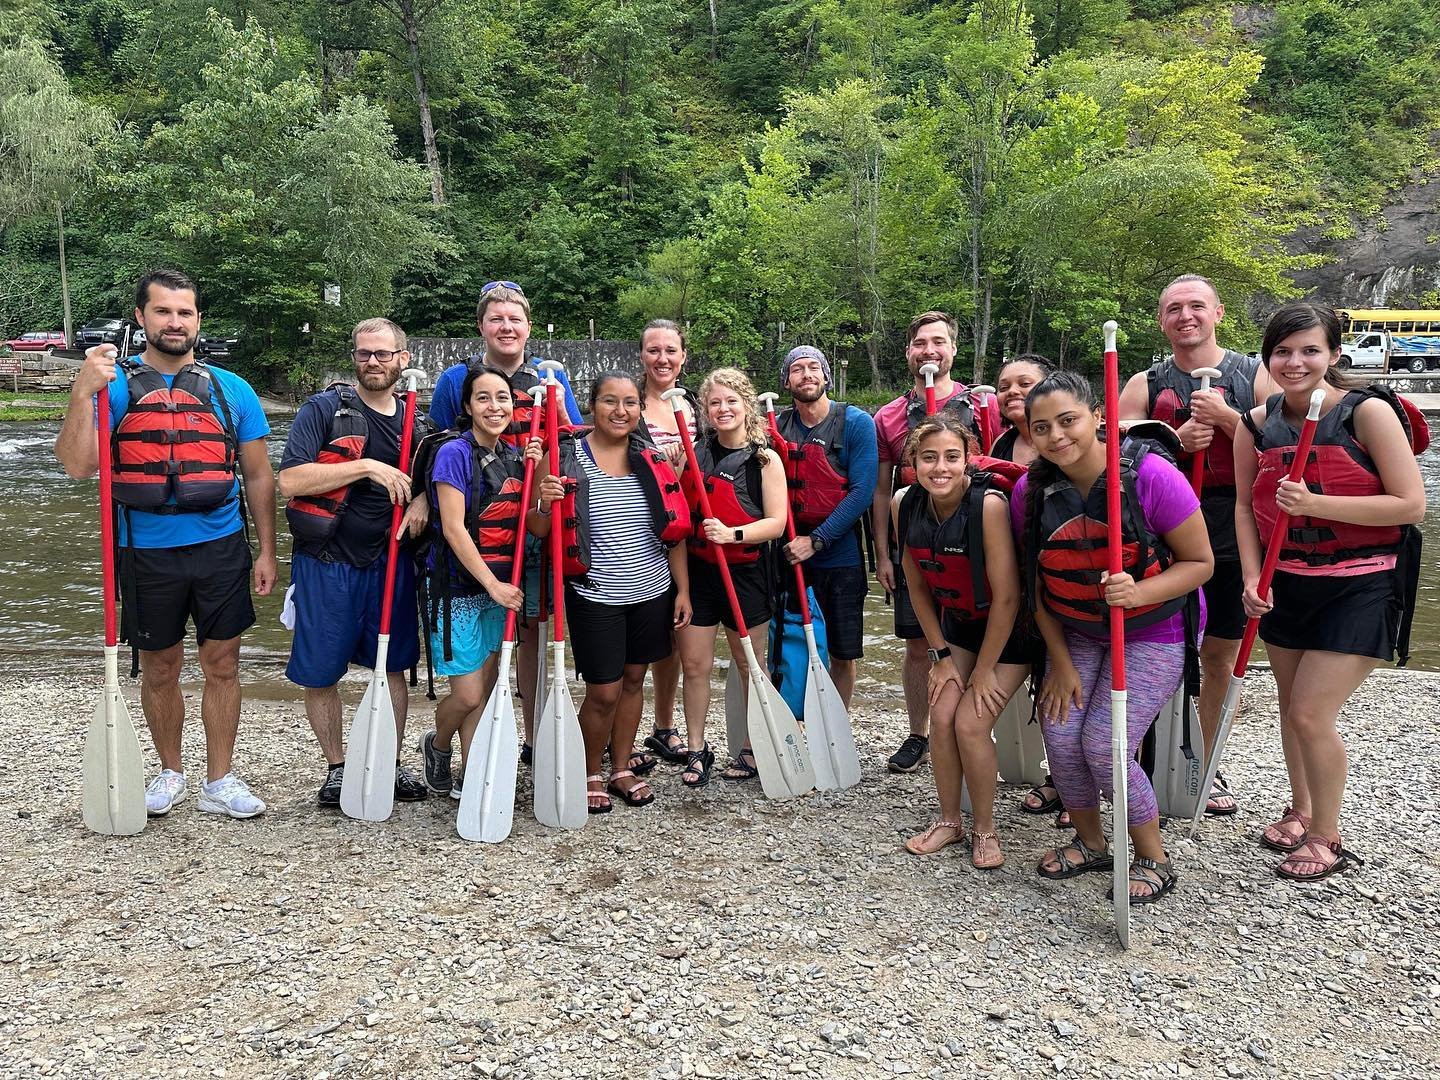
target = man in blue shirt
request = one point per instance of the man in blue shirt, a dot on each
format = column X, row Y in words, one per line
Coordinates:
column 502, row 316
column 337, row 571
column 181, row 532
column 832, row 486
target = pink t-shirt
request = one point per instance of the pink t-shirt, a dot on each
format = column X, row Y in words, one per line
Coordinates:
column 1166, row 500
column 890, row 427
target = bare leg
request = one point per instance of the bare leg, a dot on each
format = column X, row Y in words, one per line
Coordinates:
column 322, row 709
column 665, row 675
column 162, row 702
column 527, row 666
column 973, row 725
column 842, row 674
column 1217, row 663
column 697, row 660
column 1323, row 683
column 916, row 679
column 399, row 702
column 626, row 722
column 597, row 721
column 220, row 704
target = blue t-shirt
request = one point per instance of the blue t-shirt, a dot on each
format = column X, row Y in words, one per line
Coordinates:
column 860, row 461
column 247, row 420
column 445, row 401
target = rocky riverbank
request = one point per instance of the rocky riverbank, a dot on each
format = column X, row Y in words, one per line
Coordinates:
column 711, row 934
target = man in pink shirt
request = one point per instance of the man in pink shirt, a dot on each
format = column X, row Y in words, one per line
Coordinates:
column 931, row 340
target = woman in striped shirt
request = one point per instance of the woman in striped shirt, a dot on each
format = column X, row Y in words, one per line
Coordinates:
column 635, row 593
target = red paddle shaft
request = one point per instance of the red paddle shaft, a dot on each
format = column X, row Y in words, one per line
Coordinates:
column 1277, row 531
column 107, row 513
column 929, row 370
column 724, row 566
column 557, row 549
column 783, row 448
column 1197, row 463
column 407, row 432
column 517, row 567
column 1112, row 500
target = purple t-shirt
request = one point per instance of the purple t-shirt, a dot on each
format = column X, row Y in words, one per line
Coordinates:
column 1166, row 500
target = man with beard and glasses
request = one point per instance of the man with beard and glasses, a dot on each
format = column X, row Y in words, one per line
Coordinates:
column 183, row 550
column 831, row 470
column 341, row 477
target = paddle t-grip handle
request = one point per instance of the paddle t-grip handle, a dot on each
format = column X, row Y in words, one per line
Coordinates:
column 673, row 395
column 411, row 377
column 782, row 446
column 929, row 371
column 979, row 400
column 1197, row 463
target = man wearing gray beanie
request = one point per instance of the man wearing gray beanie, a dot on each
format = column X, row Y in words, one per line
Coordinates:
column 831, row 469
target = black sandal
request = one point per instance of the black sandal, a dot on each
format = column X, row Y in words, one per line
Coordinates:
column 1089, row 860
column 740, row 769
column 1046, row 805
column 1160, row 880
column 698, row 764
column 1220, row 802
column 641, row 763
column 676, row 753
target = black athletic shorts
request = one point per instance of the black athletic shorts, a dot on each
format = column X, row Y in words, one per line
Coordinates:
column 163, row 588
column 969, row 634
column 1225, row 601
column 708, row 600
column 840, row 593
column 907, row 626
column 606, row 637
column 1355, row 615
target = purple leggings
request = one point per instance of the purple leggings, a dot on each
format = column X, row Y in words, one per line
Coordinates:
column 1079, row 749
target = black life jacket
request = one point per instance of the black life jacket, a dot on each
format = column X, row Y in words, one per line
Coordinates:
column 668, row 508
column 1169, row 402
column 733, row 481
column 175, row 441
column 1067, row 549
column 813, row 473
column 950, row 553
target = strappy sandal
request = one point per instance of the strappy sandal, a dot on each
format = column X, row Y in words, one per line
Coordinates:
column 698, row 764
column 637, row 794
column 596, row 807
column 1220, row 803
column 1068, row 868
column 1045, row 804
column 641, row 763
column 1062, row 820
column 671, row 752
column 1158, row 877
column 986, row 839
column 1309, row 853
column 917, row 845
column 740, row 769
column 1286, row 846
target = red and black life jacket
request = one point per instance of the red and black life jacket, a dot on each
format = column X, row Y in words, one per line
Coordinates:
column 1338, row 465
column 492, row 510
column 1067, row 549
column 527, row 391
column 174, row 442
column 669, row 510
column 951, row 553
column 314, row 519
column 732, row 479
column 1169, row 402
column 813, row 473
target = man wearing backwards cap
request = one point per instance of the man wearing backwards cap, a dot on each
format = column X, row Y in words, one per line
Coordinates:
column 831, row 471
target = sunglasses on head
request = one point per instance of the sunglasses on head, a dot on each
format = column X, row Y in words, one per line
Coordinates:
column 490, row 285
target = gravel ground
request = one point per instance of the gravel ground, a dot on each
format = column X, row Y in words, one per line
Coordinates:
column 711, row 934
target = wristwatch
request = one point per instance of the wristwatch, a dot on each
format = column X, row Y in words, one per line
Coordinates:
column 936, row 655
column 817, row 542
column 739, row 536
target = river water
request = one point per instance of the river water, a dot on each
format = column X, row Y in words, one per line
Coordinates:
column 50, row 573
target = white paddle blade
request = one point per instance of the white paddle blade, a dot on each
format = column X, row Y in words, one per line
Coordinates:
column 1176, row 777
column 1222, row 735
column 542, row 672
column 1019, row 742
column 1120, row 817
column 780, row 754
column 559, row 757
column 828, row 736
column 737, row 700
column 487, row 801
column 368, row 791
column 113, row 800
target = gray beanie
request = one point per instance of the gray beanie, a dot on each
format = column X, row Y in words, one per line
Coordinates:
column 805, row 352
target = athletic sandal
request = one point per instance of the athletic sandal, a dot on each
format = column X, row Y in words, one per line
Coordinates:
column 1062, row 820
column 1068, row 867
column 985, row 853
column 669, row 744
column 637, row 794
column 1313, row 852
column 1220, row 803
column 1277, row 838
column 1158, row 877
column 602, row 807
column 641, row 763
column 698, row 764
column 924, row 843
column 1042, row 804
column 741, row 769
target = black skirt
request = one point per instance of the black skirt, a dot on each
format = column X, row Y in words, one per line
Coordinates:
column 1355, row 615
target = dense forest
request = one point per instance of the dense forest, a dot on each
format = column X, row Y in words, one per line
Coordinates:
column 769, row 171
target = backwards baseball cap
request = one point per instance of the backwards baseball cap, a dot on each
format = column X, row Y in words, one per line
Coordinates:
column 804, row 352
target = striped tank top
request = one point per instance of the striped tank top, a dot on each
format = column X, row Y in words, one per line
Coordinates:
column 627, row 560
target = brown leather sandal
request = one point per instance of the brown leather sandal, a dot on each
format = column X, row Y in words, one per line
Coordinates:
column 920, row 845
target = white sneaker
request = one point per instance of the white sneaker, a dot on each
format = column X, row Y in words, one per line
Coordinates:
column 164, row 792
column 229, row 795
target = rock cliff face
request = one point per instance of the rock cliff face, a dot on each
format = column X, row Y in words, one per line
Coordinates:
column 1391, row 266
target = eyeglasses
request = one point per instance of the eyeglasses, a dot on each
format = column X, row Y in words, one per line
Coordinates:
column 492, row 285
column 383, row 355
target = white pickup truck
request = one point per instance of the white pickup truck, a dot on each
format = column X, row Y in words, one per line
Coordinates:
column 1407, row 352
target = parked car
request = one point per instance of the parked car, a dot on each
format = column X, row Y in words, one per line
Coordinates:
column 103, row 332
column 37, row 341
column 219, row 346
